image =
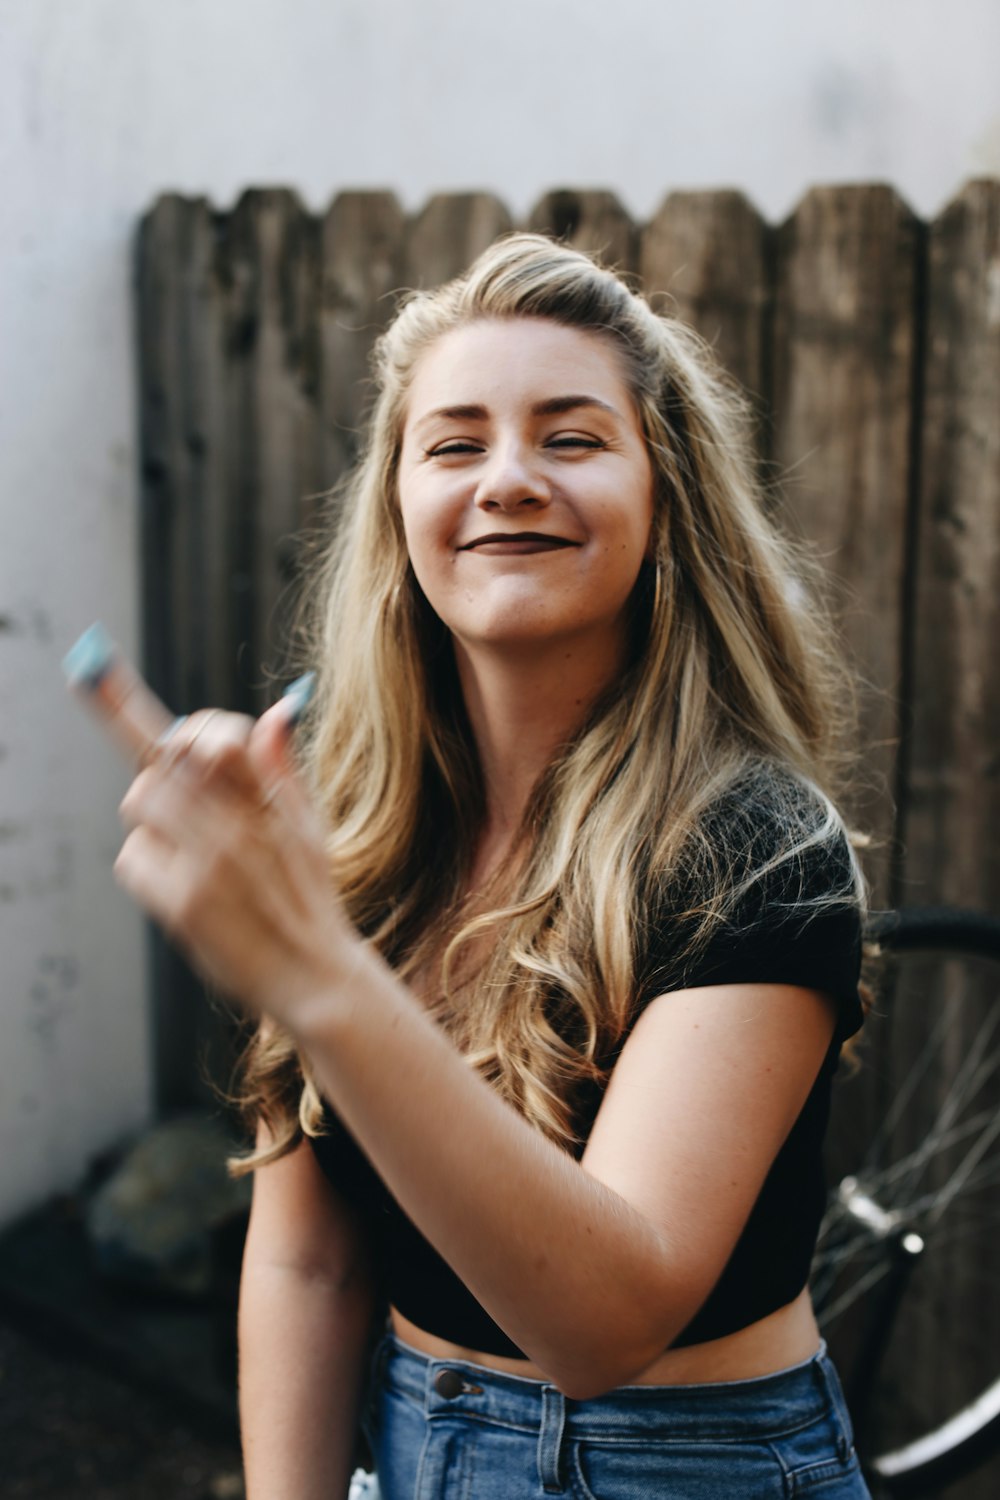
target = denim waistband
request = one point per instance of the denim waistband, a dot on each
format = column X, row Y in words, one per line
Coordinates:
column 762, row 1407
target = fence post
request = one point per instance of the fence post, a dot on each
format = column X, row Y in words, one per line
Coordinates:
column 844, row 361
column 449, row 233
column 951, row 806
column 953, row 793
column 362, row 269
column 593, row 221
column 707, row 257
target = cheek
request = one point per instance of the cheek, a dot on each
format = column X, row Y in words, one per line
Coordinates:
column 414, row 519
column 428, row 514
column 430, row 558
column 629, row 535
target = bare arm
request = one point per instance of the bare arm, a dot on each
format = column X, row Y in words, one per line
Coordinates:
column 592, row 1268
column 304, row 1319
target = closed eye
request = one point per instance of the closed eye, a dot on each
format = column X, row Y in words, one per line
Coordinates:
column 575, row 440
column 455, row 445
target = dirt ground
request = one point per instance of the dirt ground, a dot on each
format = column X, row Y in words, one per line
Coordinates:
column 70, row 1430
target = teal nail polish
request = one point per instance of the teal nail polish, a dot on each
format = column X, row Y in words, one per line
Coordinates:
column 299, row 695
column 90, row 658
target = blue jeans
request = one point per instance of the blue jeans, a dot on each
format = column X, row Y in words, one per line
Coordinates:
column 453, row 1431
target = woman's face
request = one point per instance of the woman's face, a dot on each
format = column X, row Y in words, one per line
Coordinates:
column 525, row 485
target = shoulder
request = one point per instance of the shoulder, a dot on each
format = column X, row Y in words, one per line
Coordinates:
column 782, row 850
column 771, row 894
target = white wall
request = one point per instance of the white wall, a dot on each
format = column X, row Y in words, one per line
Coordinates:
column 104, row 104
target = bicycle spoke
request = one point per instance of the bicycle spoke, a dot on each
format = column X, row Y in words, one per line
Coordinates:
column 908, row 1088
column 857, row 1289
column 911, row 1165
column 977, row 1067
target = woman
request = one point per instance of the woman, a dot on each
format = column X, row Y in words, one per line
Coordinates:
column 545, row 1065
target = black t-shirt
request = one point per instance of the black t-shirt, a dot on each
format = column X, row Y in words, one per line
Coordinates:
column 798, row 925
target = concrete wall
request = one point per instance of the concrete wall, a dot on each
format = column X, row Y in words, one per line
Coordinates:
column 105, row 103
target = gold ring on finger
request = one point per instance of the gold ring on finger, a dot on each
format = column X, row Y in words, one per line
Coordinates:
column 210, row 714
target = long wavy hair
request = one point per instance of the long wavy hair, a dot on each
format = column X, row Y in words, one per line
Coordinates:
column 734, row 689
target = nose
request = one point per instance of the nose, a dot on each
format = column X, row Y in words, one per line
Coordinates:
column 511, row 480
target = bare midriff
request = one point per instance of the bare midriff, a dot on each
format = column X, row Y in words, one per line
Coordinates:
column 786, row 1337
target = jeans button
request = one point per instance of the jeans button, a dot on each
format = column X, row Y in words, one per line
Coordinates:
column 449, row 1384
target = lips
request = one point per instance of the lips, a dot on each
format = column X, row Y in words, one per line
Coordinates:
column 499, row 542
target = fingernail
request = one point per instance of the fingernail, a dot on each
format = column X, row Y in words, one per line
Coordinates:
column 299, row 695
column 90, row 658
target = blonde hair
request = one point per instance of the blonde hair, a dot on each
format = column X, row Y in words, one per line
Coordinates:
column 733, row 690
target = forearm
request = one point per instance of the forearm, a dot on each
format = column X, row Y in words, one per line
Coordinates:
column 576, row 1276
column 592, row 1267
column 302, row 1342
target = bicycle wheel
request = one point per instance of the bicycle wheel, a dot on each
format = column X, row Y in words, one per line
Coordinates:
column 904, row 1278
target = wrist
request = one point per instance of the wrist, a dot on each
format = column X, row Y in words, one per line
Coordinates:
column 325, row 1000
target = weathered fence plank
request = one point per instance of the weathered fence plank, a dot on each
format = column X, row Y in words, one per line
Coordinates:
column 362, row 268
column 196, row 587
column 842, row 358
column 953, row 793
column 593, row 221
column 706, row 257
column 951, row 798
column 273, row 250
column 449, row 233
column 844, row 340
column 178, row 317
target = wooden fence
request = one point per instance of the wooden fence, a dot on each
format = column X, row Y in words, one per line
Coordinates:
column 869, row 339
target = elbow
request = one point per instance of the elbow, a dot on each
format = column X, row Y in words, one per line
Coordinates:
column 623, row 1354
column 582, row 1389
column 597, row 1372
column 591, row 1381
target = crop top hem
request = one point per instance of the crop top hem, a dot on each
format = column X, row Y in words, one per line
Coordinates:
column 770, row 942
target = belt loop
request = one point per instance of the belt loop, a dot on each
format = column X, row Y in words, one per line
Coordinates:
column 550, row 1438
column 835, row 1396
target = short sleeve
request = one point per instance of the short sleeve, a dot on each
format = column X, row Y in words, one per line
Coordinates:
column 798, row 922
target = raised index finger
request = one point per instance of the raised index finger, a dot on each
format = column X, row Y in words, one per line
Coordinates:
column 105, row 681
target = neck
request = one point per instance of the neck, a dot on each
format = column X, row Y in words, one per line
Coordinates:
column 523, row 708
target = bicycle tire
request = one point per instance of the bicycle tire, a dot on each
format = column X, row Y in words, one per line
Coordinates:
column 933, row 1178
column 946, row 1454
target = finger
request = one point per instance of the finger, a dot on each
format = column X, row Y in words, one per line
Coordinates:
column 273, row 732
column 207, row 820
column 147, row 869
column 289, row 798
column 111, row 688
column 155, row 749
column 205, row 732
column 163, row 881
column 270, row 744
column 162, row 798
column 271, row 750
column 212, row 744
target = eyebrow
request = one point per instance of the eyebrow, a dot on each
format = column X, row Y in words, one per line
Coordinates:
column 553, row 406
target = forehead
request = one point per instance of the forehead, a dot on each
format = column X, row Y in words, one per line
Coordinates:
column 516, row 361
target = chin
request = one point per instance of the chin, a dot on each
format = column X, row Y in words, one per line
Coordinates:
column 522, row 631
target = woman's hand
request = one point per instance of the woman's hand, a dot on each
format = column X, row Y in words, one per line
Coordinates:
column 226, row 853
